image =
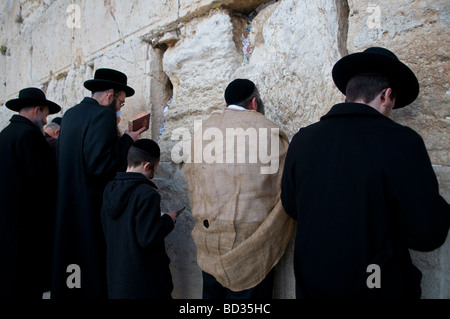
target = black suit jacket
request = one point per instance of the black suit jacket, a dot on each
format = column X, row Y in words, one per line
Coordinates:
column 89, row 155
column 363, row 192
column 27, row 200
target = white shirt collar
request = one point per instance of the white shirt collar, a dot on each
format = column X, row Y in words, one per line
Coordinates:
column 236, row 107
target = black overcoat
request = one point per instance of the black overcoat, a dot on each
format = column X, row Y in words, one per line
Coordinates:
column 363, row 191
column 137, row 263
column 89, row 155
column 27, row 200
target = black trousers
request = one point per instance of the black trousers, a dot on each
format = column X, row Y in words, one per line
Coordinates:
column 212, row 289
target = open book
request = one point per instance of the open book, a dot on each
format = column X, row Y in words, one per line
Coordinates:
column 140, row 120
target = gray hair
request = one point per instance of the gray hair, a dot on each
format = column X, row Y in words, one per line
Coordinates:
column 259, row 101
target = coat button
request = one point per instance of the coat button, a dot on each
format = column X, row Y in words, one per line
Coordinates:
column 206, row 223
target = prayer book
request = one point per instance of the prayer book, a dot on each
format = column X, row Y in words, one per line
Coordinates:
column 140, row 120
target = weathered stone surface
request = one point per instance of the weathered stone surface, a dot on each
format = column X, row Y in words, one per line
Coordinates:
column 199, row 67
column 417, row 32
column 434, row 265
column 291, row 64
column 180, row 55
column 189, row 9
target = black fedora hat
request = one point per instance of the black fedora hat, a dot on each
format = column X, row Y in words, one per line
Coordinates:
column 378, row 60
column 105, row 79
column 32, row 97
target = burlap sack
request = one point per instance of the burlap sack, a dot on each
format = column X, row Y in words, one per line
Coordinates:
column 241, row 229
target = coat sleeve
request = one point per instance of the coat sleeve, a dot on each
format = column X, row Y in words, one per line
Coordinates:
column 122, row 146
column 288, row 189
column 151, row 227
column 424, row 215
column 103, row 151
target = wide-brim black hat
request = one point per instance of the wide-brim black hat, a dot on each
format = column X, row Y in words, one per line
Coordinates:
column 378, row 60
column 32, row 97
column 105, row 79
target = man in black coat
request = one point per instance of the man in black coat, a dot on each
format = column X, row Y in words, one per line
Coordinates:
column 27, row 197
column 90, row 152
column 134, row 228
column 362, row 188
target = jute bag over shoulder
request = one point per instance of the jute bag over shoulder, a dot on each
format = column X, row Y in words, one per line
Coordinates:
column 241, row 229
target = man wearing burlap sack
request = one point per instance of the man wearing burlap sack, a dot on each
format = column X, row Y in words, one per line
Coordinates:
column 234, row 180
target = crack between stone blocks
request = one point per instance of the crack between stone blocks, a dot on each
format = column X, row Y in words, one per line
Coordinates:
column 343, row 8
column 107, row 4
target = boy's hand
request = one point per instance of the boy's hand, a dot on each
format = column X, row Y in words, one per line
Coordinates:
column 173, row 215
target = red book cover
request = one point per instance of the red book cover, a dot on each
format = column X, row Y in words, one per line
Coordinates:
column 140, row 120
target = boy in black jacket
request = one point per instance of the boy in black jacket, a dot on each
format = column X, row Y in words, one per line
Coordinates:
column 134, row 228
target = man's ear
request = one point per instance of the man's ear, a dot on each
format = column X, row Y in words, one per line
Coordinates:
column 253, row 105
column 387, row 101
column 147, row 166
column 110, row 94
column 385, row 94
column 36, row 111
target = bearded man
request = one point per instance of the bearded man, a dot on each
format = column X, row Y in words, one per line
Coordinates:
column 27, row 197
column 90, row 153
column 241, row 229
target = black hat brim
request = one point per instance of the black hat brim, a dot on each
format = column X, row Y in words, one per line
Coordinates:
column 18, row 104
column 102, row 85
column 402, row 77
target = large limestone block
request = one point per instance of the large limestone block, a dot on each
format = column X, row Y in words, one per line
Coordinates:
column 199, row 67
column 296, row 44
column 67, row 89
column 9, row 28
column 180, row 246
column 417, row 32
column 52, row 45
column 132, row 17
column 38, row 43
column 17, row 64
column 46, row 38
column 103, row 24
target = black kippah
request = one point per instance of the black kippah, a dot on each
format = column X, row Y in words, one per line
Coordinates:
column 148, row 146
column 238, row 90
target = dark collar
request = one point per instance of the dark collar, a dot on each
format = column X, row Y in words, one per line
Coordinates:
column 138, row 177
column 90, row 100
column 352, row 109
column 16, row 118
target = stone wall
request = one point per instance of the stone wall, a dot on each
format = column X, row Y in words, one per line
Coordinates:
column 180, row 55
